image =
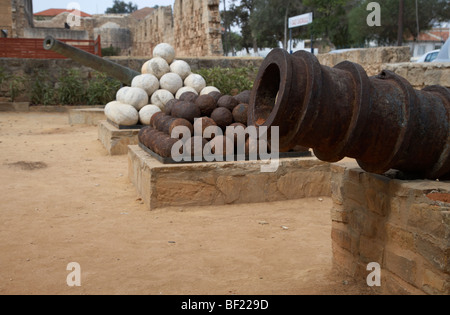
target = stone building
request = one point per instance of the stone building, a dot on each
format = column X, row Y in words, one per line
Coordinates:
column 15, row 17
column 193, row 27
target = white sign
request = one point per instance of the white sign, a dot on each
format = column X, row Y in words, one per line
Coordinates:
column 301, row 20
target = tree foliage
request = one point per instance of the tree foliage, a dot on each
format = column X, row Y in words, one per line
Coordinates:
column 429, row 13
column 121, row 7
column 340, row 23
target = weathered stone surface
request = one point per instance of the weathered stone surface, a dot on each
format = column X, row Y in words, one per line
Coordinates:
column 14, row 107
column 373, row 60
column 421, row 75
column 90, row 116
column 116, row 141
column 403, row 267
column 225, row 183
column 395, row 223
column 436, row 283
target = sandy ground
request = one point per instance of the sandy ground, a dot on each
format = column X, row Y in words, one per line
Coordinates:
column 64, row 200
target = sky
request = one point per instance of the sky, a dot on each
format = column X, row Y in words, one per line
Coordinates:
column 93, row 6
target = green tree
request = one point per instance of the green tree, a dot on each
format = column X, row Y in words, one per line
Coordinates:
column 238, row 14
column 330, row 21
column 429, row 13
column 269, row 21
column 121, row 7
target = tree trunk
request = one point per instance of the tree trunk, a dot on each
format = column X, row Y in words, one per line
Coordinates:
column 255, row 45
column 286, row 16
column 400, row 22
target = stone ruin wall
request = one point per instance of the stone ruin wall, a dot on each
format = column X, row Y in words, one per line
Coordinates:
column 373, row 60
column 197, row 28
column 152, row 30
column 16, row 16
column 5, row 16
column 193, row 28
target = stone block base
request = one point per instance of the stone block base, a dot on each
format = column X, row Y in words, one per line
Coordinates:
column 14, row 107
column 207, row 184
column 404, row 226
column 116, row 141
column 90, row 116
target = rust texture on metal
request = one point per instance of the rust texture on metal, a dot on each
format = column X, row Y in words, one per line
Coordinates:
column 380, row 121
column 157, row 141
column 123, row 74
column 223, row 117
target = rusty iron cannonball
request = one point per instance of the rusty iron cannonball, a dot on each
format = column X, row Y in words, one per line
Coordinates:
column 223, row 117
column 243, row 97
column 221, row 142
column 216, row 95
column 186, row 110
column 188, row 97
column 163, row 122
column 165, row 145
column 169, row 106
column 228, row 102
column 240, row 113
column 192, row 142
column 157, row 141
column 180, row 122
column 254, row 147
column 236, row 138
column 201, row 124
column 207, row 104
column 156, row 117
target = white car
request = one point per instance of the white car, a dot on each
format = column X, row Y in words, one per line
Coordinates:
column 429, row 56
column 444, row 54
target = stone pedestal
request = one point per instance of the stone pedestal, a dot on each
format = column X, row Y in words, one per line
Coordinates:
column 14, row 106
column 207, row 184
column 88, row 116
column 116, row 141
column 404, row 226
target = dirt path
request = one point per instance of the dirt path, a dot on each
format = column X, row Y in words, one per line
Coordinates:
column 64, row 200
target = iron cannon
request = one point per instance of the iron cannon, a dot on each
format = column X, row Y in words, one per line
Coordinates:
column 380, row 121
column 121, row 73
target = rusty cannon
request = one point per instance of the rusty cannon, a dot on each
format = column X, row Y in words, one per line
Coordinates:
column 380, row 121
column 121, row 73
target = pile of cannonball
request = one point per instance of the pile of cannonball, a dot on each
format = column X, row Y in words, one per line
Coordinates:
column 163, row 79
column 197, row 113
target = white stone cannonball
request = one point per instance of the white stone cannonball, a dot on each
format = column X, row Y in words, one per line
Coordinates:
column 156, row 66
column 160, row 106
column 148, row 82
column 161, row 97
column 165, row 51
column 120, row 94
column 122, row 114
column 209, row 89
column 184, row 90
column 133, row 96
column 147, row 112
column 195, row 81
column 171, row 82
column 144, row 67
column 181, row 68
column 110, row 106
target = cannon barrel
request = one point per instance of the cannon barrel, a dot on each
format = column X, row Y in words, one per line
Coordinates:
column 380, row 121
column 123, row 74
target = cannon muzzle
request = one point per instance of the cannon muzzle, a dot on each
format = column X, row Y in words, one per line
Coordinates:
column 123, row 74
column 380, row 121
